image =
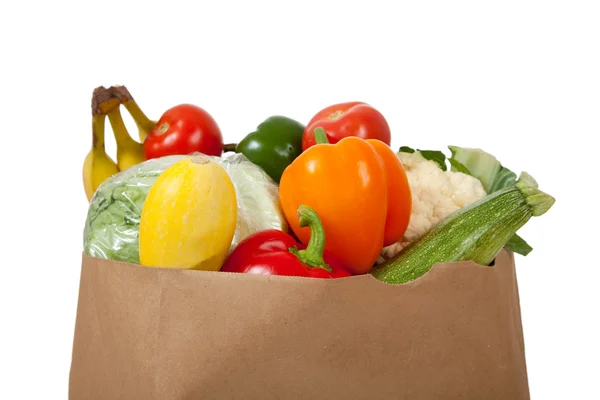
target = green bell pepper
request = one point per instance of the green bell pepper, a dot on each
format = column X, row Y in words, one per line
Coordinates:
column 273, row 146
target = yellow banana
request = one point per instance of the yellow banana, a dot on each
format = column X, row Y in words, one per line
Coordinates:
column 129, row 152
column 97, row 166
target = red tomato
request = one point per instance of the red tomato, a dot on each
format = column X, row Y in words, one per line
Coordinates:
column 184, row 129
column 348, row 119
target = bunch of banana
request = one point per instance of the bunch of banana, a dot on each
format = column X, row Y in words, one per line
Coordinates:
column 99, row 166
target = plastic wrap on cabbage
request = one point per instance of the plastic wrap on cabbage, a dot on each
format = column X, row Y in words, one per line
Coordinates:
column 112, row 225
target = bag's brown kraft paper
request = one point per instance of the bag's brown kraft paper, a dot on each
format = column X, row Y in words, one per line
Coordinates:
column 161, row 334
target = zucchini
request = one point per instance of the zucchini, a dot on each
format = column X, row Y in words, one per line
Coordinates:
column 476, row 232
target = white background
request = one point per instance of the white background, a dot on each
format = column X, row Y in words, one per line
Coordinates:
column 520, row 79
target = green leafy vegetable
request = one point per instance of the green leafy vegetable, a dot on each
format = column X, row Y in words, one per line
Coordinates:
column 436, row 156
column 458, row 167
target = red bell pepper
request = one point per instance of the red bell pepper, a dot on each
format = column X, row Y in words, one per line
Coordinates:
column 273, row 252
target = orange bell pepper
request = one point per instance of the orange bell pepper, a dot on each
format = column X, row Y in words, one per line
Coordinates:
column 399, row 196
column 359, row 191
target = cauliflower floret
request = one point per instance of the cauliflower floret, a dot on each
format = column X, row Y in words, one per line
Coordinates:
column 435, row 195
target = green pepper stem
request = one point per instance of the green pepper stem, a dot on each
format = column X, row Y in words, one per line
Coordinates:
column 321, row 136
column 313, row 254
column 229, row 147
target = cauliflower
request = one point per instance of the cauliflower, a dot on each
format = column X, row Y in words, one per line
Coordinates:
column 435, row 195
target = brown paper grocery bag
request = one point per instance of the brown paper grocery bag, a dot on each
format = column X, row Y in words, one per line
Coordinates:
column 161, row 334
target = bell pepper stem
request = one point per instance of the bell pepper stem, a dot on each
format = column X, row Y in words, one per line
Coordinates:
column 321, row 136
column 313, row 254
column 229, row 147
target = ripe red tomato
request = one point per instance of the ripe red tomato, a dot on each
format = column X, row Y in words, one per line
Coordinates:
column 184, row 129
column 348, row 119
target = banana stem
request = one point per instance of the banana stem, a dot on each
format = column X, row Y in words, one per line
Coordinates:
column 119, row 129
column 103, row 101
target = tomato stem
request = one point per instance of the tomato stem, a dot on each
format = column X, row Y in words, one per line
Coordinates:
column 313, row 254
column 321, row 136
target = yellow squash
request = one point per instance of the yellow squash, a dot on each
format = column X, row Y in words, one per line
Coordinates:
column 189, row 217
